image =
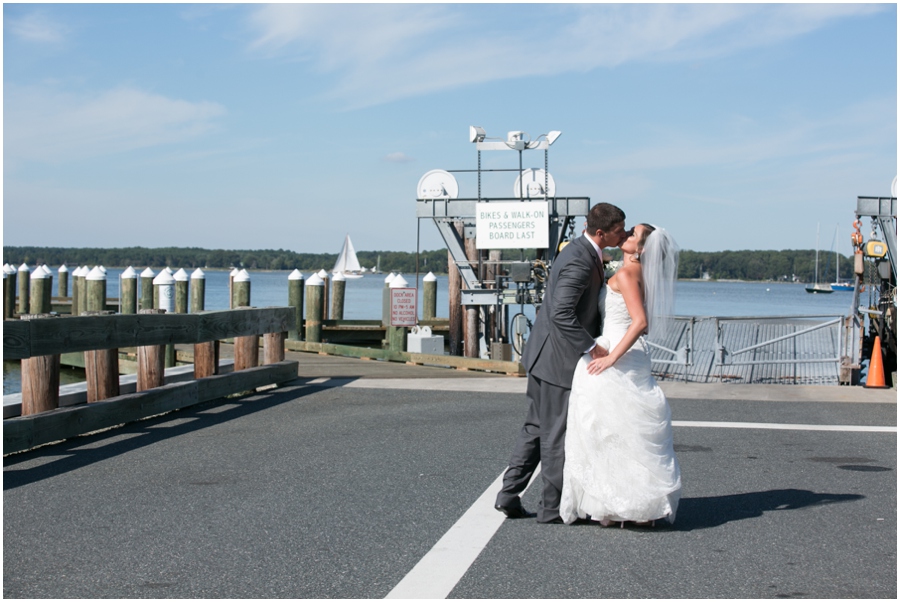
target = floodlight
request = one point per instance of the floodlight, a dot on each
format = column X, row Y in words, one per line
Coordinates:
column 552, row 136
column 476, row 133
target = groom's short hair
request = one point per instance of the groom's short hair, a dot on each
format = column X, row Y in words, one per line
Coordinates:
column 604, row 216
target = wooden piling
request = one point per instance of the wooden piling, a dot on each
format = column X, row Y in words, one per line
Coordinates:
column 9, row 293
column 24, row 289
column 315, row 299
column 295, row 300
column 151, row 362
column 454, row 288
column 198, row 291
column 40, row 285
column 326, row 292
column 95, row 298
column 234, row 272
column 63, row 286
column 246, row 349
column 40, row 379
column 240, row 290
column 82, row 290
column 128, row 294
column 181, row 291
column 101, row 366
column 273, row 347
column 429, row 297
column 206, row 359
column 470, row 329
column 147, row 277
column 48, row 290
column 338, row 288
column 76, row 291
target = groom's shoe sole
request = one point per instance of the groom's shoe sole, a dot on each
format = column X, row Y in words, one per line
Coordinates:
column 515, row 511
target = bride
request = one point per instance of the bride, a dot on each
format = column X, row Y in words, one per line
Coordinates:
column 620, row 462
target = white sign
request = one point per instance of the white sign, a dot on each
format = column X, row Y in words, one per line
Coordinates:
column 513, row 225
column 404, row 303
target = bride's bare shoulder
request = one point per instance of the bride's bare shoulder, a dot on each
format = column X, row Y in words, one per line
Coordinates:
column 628, row 274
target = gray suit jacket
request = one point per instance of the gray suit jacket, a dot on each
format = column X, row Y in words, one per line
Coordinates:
column 569, row 319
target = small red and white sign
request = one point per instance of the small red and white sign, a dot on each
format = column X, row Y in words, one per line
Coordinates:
column 404, row 304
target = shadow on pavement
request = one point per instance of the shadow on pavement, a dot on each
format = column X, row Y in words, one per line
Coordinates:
column 82, row 451
column 706, row 512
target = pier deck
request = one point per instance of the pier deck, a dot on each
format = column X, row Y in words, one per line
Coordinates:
column 342, row 483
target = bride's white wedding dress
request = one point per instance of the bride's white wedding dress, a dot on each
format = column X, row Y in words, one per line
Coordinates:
column 620, row 462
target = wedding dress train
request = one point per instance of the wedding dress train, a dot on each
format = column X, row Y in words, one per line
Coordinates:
column 620, row 462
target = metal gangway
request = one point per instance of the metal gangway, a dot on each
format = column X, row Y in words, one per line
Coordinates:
column 803, row 350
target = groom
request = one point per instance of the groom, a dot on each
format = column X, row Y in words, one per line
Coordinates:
column 564, row 330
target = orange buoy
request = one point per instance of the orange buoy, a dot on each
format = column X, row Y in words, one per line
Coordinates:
column 875, row 379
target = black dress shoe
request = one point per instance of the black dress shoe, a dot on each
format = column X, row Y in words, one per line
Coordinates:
column 517, row 511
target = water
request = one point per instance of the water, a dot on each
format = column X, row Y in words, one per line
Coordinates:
column 711, row 298
column 363, row 301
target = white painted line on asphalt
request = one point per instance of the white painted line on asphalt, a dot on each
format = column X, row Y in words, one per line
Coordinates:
column 438, row 572
column 787, row 427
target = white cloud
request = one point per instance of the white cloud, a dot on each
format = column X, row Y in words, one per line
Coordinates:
column 381, row 53
column 44, row 124
column 398, row 158
column 36, row 27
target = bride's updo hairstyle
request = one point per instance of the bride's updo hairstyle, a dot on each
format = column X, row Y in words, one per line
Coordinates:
column 659, row 266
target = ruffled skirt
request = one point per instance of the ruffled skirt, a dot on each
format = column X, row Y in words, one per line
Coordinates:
column 620, row 462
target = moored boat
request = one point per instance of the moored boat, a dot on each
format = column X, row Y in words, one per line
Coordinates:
column 817, row 287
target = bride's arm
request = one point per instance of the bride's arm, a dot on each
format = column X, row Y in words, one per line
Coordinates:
column 630, row 285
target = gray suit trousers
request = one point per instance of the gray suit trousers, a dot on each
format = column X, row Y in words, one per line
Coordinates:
column 541, row 440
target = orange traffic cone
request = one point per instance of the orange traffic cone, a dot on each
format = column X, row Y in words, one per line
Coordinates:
column 875, row 379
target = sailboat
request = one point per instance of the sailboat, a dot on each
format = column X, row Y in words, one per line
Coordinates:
column 347, row 262
column 823, row 287
column 837, row 285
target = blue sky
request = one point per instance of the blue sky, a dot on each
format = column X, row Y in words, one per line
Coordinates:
column 289, row 125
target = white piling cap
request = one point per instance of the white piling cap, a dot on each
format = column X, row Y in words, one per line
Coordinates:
column 338, row 277
column 295, row 275
column 181, row 275
column 198, row 274
column 62, row 269
column 390, row 277
column 234, row 272
column 399, row 282
column 314, row 280
column 102, row 269
column 148, row 273
column 164, row 277
column 96, row 274
column 39, row 274
column 46, row 269
column 24, row 268
column 6, row 268
column 129, row 273
column 169, row 270
column 322, row 274
column 429, row 277
column 242, row 276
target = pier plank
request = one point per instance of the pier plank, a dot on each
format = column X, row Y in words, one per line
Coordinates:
column 16, row 339
column 26, row 432
column 23, row 339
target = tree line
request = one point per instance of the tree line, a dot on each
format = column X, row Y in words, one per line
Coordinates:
column 786, row 265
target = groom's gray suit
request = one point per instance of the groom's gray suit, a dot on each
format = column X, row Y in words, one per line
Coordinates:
column 565, row 329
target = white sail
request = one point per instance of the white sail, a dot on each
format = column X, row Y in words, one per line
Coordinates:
column 347, row 261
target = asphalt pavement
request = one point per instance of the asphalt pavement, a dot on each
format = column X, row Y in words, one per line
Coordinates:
column 337, row 486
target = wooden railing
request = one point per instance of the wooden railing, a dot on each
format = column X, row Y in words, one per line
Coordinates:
column 38, row 342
